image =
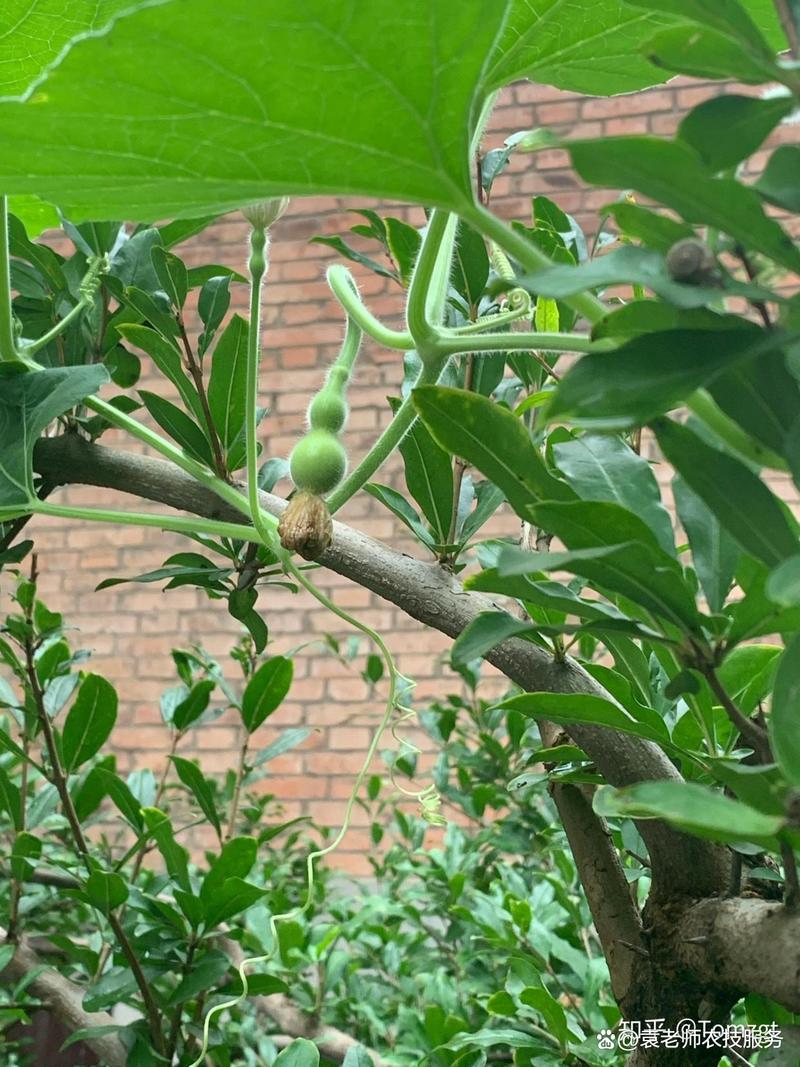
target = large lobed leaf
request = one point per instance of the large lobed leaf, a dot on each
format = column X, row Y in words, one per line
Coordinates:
column 36, row 32
column 184, row 108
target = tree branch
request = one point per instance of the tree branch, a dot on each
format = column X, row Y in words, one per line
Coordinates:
column 682, row 865
column 616, row 918
column 64, row 999
column 332, row 1043
column 746, row 944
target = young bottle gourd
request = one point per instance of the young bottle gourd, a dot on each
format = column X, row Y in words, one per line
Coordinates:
column 317, row 464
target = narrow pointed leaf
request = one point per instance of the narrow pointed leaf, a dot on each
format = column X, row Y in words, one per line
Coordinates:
column 226, row 387
column 743, row 504
column 195, row 781
column 672, row 174
column 494, row 440
column 784, row 720
column 265, row 691
column 604, row 467
column 89, row 722
column 582, row 708
column 690, row 806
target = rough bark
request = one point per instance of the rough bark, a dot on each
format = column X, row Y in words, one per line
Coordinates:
column 743, row 944
column 616, row 918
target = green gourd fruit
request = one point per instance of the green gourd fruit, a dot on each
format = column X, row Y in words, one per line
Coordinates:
column 328, row 410
column 318, row 462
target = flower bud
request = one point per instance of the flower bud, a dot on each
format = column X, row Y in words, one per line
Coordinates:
column 262, row 214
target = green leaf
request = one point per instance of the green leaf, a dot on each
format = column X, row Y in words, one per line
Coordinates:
column 583, row 708
column 11, row 799
column 485, row 631
column 470, row 265
column 122, row 796
column 132, row 262
column 704, row 53
column 778, row 183
column 727, row 129
column 212, row 306
column 204, row 974
column 488, row 1038
column 673, row 175
column 35, row 215
column 784, row 720
column 783, row 584
column 429, row 478
column 752, row 23
column 190, row 709
column 357, row 1056
column 172, row 275
column 625, row 265
column 494, row 440
column 347, row 252
column 226, row 387
column 26, row 849
column 231, row 898
column 195, row 781
column 301, row 1053
column 265, row 691
column 257, row 629
column 549, row 1008
column 596, row 49
column 747, row 673
column 175, row 856
column 89, row 793
column 637, row 567
column 744, row 506
column 655, row 230
column 650, row 374
column 28, row 404
column 167, row 358
column 400, row 507
column 762, row 397
column 403, row 242
column 113, row 988
column 48, row 263
column 756, row 614
column 106, row 890
column 180, row 427
column 604, row 467
column 182, row 229
column 200, row 275
column 692, row 807
column 714, row 552
column 89, row 722
column 36, row 34
column 312, row 104
column 234, row 861
column 288, row 740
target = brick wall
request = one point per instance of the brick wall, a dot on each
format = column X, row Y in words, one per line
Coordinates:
column 132, row 628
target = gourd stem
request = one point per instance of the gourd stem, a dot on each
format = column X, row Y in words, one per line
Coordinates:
column 388, row 441
column 343, row 287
